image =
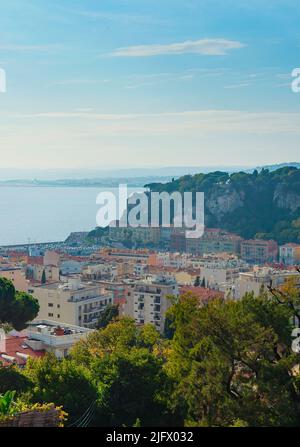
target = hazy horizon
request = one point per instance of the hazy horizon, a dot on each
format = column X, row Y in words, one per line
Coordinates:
column 114, row 173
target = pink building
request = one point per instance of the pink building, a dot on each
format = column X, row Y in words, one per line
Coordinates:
column 16, row 276
column 259, row 251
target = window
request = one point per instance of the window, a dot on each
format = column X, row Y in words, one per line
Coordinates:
column 50, row 304
column 50, row 315
column 58, row 315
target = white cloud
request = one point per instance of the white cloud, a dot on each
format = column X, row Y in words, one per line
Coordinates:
column 205, row 47
column 245, row 84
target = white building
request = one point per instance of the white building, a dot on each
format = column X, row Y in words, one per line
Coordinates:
column 260, row 278
column 53, row 337
column 289, row 254
column 73, row 302
column 148, row 301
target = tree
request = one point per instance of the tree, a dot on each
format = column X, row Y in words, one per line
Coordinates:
column 232, row 362
column 44, row 279
column 11, row 378
column 128, row 374
column 16, row 308
column 61, row 381
column 197, row 281
column 109, row 314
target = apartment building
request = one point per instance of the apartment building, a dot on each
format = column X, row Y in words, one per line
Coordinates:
column 143, row 235
column 72, row 302
column 167, row 259
column 214, row 240
column 178, row 241
column 147, row 300
column 258, row 251
column 260, row 278
column 100, row 270
column 35, row 272
column 51, row 257
column 16, row 275
column 289, row 254
column 215, row 272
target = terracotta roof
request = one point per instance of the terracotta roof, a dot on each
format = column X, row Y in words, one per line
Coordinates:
column 35, row 260
column 14, row 344
column 202, row 293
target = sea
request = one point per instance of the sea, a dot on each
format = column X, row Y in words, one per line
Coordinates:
column 34, row 214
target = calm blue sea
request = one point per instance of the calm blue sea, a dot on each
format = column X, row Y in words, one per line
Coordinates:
column 45, row 214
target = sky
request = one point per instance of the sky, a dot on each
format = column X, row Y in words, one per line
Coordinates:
column 146, row 83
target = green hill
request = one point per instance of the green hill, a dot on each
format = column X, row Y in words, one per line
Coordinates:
column 263, row 204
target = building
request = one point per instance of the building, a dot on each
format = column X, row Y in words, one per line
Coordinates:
column 41, row 336
column 214, row 240
column 260, row 278
column 147, row 301
column 52, row 258
column 289, row 254
column 203, row 294
column 135, row 235
column 14, row 350
column 178, row 242
column 54, row 337
column 17, row 276
column 215, row 272
column 100, row 270
column 35, row 272
column 72, row 302
column 258, row 251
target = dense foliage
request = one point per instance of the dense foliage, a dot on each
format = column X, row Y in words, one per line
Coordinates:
column 228, row 363
column 262, row 204
column 16, row 308
column 109, row 314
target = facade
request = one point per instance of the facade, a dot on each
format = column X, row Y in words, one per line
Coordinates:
column 71, row 266
column 73, row 302
column 289, row 254
column 178, row 242
column 35, row 272
column 147, row 301
column 214, row 240
column 215, row 272
column 138, row 235
column 260, row 278
column 17, row 276
column 52, row 258
column 258, row 251
column 99, row 271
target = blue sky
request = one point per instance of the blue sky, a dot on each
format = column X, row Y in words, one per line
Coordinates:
column 131, row 83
